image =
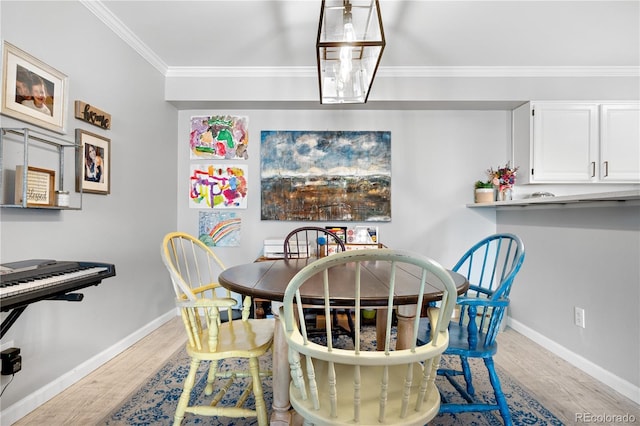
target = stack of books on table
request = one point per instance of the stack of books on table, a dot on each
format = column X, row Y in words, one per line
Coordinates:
column 274, row 249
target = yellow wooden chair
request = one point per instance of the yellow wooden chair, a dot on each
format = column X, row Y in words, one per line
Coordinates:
column 360, row 387
column 194, row 270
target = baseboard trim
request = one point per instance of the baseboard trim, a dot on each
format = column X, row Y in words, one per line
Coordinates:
column 29, row 403
column 616, row 383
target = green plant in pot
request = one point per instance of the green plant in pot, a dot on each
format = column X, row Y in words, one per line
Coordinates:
column 484, row 192
column 480, row 184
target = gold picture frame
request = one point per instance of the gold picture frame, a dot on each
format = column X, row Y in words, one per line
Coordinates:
column 40, row 187
column 32, row 91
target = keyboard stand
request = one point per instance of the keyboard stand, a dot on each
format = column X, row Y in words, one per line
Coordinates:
column 10, row 319
column 16, row 312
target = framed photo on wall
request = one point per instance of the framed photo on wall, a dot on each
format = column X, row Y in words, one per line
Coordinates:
column 93, row 163
column 32, row 91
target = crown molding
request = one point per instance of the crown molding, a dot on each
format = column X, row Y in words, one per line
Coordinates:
column 117, row 26
column 417, row 72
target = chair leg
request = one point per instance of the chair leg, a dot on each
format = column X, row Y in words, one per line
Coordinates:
column 352, row 327
column 261, row 407
column 186, row 392
column 211, row 377
column 497, row 389
column 466, row 371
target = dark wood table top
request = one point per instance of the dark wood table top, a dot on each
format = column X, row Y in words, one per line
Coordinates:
column 269, row 279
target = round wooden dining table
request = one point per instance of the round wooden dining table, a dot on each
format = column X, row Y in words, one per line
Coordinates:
column 268, row 279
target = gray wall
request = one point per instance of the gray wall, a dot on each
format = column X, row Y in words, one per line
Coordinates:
column 436, row 156
column 124, row 228
column 585, row 257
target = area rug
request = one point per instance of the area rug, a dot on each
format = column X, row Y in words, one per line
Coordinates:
column 156, row 400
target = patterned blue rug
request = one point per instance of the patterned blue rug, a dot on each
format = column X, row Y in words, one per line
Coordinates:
column 155, row 402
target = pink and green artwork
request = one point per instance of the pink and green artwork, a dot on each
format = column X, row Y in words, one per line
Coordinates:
column 219, row 137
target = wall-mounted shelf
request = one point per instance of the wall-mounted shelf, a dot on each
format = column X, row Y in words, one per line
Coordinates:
column 582, row 200
column 34, row 166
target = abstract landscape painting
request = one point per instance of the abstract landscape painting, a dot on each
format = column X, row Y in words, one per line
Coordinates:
column 325, row 175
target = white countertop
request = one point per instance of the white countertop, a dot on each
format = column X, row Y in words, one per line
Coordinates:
column 565, row 199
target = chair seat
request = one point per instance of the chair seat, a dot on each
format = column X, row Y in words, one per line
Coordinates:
column 370, row 396
column 250, row 338
column 459, row 341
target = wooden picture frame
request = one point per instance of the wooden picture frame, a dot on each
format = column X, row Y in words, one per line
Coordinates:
column 32, row 91
column 93, row 163
column 40, row 186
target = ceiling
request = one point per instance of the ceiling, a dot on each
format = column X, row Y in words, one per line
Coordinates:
column 421, row 35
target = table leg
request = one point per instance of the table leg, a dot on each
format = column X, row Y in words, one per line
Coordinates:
column 406, row 317
column 381, row 327
column 281, row 414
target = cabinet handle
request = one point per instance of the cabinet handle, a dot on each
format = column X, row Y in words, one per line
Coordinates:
column 606, row 169
column 593, row 169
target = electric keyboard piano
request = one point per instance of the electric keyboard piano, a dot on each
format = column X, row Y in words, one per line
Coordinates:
column 29, row 281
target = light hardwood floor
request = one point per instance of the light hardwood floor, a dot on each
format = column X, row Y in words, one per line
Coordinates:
column 560, row 387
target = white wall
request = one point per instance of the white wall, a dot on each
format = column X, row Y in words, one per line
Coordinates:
column 58, row 339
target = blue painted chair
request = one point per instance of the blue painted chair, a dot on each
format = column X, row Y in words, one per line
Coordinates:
column 490, row 267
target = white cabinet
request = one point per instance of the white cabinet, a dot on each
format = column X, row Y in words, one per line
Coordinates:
column 577, row 142
column 620, row 142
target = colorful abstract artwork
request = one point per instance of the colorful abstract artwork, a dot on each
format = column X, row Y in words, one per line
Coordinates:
column 219, row 229
column 325, row 175
column 218, row 186
column 219, row 137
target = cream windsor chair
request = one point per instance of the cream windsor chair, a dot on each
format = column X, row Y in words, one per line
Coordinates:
column 356, row 386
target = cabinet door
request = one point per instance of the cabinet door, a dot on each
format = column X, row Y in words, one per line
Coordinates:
column 620, row 142
column 565, row 140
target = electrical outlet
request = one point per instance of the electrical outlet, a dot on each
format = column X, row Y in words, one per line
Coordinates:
column 578, row 317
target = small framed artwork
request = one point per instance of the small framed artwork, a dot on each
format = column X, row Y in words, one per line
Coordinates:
column 40, row 185
column 32, row 91
column 93, row 163
column 340, row 231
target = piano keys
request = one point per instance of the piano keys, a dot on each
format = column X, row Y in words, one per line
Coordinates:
column 26, row 282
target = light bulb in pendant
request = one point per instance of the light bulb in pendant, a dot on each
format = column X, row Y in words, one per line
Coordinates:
column 349, row 35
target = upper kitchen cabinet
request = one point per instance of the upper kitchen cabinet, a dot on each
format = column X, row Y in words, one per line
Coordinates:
column 620, row 142
column 577, row 142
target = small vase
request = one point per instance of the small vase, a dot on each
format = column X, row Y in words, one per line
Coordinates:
column 504, row 194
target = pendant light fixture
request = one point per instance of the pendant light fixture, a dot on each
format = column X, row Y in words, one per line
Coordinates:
column 349, row 47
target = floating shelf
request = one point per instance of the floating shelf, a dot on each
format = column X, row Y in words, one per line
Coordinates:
column 29, row 157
